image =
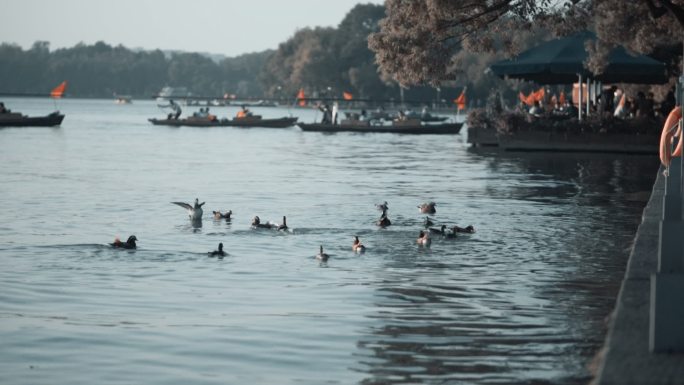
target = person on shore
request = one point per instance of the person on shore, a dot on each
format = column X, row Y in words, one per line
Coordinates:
column 536, row 109
column 649, row 109
column 608, row 99
column 668, row 104
column 642, row 106
column 631, row 106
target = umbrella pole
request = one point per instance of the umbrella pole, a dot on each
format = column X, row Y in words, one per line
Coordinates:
column 579, row 101
column 588, row 98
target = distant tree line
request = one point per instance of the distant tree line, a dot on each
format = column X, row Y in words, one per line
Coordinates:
column 101, row 70
column 323, row 61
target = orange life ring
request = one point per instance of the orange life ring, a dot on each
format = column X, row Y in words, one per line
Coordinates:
column 668, row 134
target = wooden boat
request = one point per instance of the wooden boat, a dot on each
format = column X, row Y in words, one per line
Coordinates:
column 15, row 119
column 434, row 119
column 410, row 126
column 250, row 121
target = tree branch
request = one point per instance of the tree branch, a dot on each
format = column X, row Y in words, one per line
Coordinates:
column 666, row 5
column 676, row 10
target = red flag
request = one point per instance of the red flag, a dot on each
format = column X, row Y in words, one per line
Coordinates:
column 300, row 97
column 347, row 96
column 529, row 99
column 58, row 91
column 461, row 101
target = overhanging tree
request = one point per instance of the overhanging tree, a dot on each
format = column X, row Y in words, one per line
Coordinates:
column 418, row 38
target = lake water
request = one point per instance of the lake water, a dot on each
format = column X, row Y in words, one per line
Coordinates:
column 523, row 300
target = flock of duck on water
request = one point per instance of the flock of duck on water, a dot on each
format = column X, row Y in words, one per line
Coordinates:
column 195, row 213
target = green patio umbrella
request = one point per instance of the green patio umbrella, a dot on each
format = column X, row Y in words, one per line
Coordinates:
column 561, row 61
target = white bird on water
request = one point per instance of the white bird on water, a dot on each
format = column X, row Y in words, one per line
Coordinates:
column 195, row 212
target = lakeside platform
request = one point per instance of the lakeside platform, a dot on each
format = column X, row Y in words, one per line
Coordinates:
column 517, row 132
column 625, row 359
column 639, row 143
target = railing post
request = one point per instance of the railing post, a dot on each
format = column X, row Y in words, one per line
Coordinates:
column 666, row 327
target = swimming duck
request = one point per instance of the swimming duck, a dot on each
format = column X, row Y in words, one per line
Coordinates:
column 256, row 224
column 217, row 253
column 321, row 255
column 130, row 243
column 384, row 221
column 282, row 226
column 428, row 208
column 449, row 235
column 427, row 222
column 468, row 229
column 357, row 246
column 382, row 206
column 220, row 215
column 195, row 212
column 440, row 231
column 424, row 239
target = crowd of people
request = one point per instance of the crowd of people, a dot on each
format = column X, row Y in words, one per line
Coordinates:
column 612, row 101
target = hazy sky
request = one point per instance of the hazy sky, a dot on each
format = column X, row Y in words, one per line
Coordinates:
column 228, row 27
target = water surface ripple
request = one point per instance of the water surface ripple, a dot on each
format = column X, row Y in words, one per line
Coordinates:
column 522, row 301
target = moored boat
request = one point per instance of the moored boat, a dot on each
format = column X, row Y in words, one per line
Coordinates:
column 398, row 127
column 250, row 121
column 169, row 93
column 123, row 99
column 15, row 119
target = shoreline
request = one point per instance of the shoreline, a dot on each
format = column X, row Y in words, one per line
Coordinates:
column 625, row 358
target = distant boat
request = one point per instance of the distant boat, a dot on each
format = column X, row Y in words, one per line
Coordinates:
column 15, row 119
column 258, row 103
column 168, row 93
column 123, row 99
column 410, row 126
column 250, row 121
column 429, row 118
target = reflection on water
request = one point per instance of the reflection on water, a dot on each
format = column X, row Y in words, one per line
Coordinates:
column 523, row 300
column 529, row 306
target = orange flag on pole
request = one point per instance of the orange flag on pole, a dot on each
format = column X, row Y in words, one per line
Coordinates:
column 300, row 97
column 58, row 91
column 529, row 99
column 539, row 95
column 347, row 96
column 461, row 101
